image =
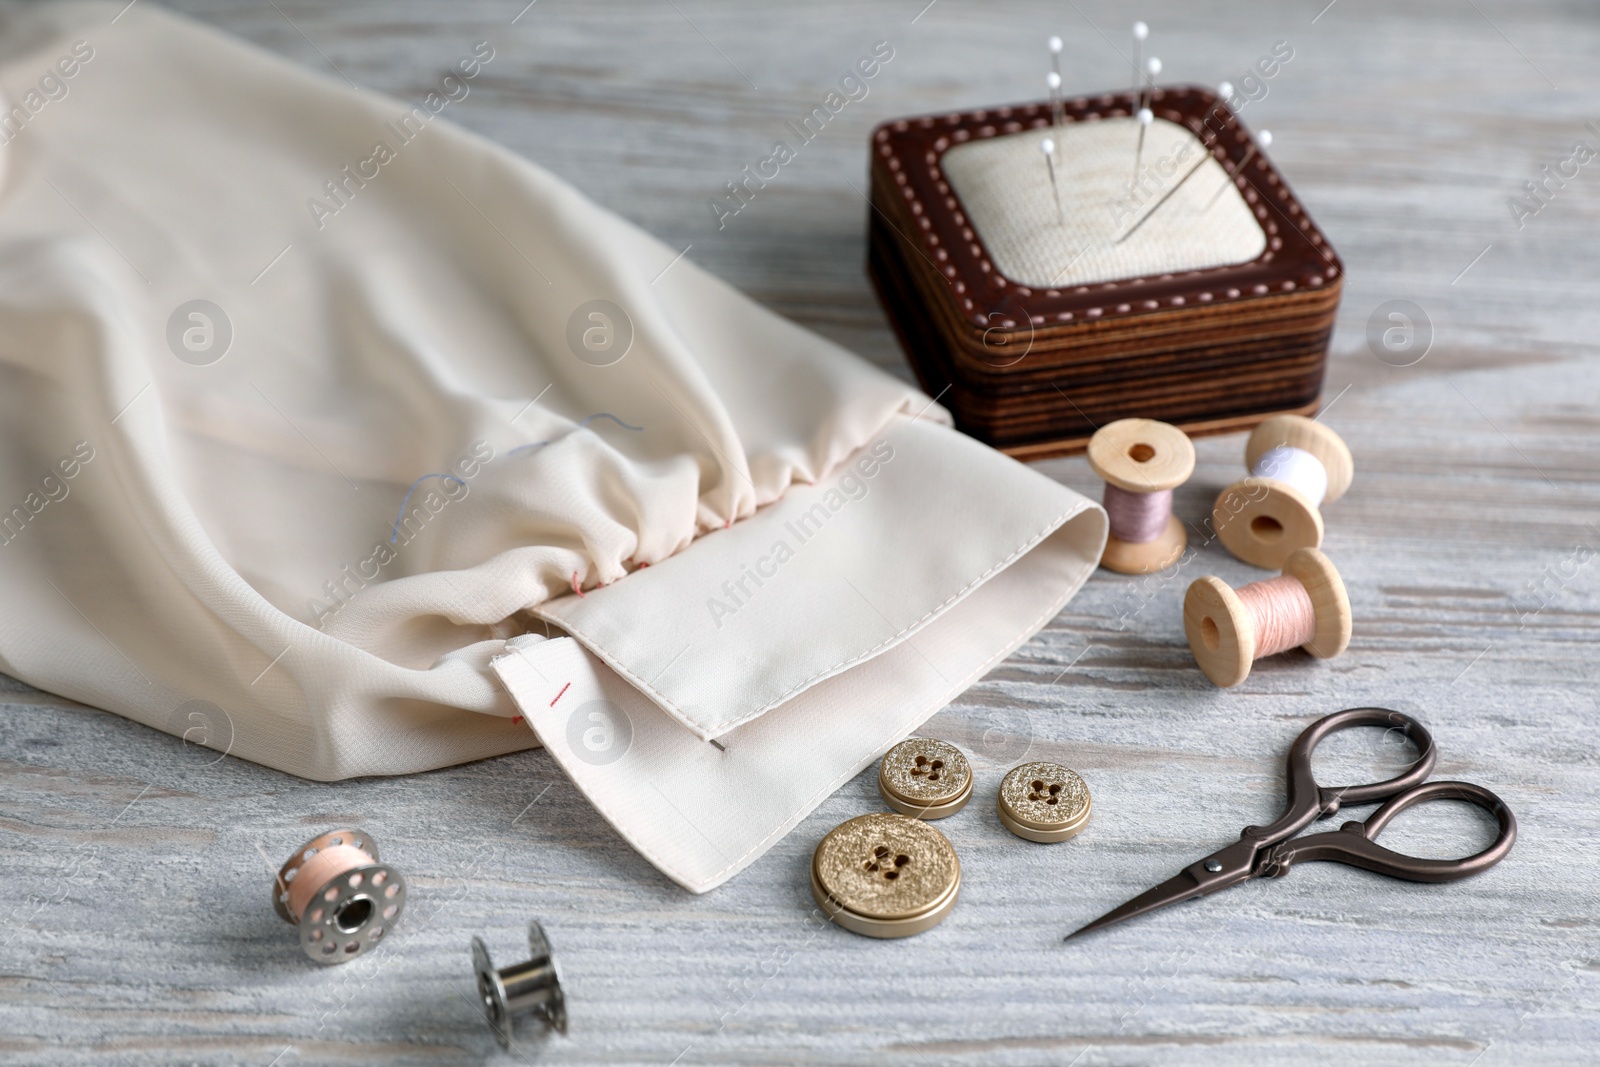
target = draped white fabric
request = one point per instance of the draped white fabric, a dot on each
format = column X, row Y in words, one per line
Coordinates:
column 309, row 400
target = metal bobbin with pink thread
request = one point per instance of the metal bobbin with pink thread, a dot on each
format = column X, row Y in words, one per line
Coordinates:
column 1229, row 629
column 1142, row 462
column 343, row 900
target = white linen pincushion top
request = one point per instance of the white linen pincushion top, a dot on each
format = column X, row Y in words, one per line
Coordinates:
column 1004, row 186
column 310, row 402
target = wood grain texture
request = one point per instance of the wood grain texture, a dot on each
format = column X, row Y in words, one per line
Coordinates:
column 135, row 871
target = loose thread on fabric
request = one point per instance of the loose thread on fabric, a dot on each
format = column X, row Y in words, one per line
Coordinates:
column 401, row 514
column 1282, row 612
column 1137, row 518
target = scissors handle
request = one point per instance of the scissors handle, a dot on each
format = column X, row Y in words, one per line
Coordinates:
column 1309, row 801
column 1355, row 843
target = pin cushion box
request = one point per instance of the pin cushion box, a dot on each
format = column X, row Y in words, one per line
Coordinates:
column 1203, row 299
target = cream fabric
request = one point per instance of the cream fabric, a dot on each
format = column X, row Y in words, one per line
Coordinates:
column 821, row 581
column 1004, row 185
column 702, row 812
column 310, row 399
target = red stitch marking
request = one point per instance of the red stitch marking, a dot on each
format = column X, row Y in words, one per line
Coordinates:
column 558, row 695
column 516, row 720
column 575, row 588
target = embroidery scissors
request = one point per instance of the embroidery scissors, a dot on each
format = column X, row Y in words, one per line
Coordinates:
column 1269, row 852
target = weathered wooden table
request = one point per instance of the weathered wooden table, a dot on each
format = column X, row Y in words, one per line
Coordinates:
column 134, row 870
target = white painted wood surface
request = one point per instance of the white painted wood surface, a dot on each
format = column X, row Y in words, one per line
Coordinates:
column 132, row 877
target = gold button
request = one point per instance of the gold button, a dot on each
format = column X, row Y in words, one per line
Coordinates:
column 885, row 875
column 1043, row 802
column 925, row 778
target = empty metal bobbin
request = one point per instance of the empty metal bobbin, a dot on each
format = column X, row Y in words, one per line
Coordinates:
column 343, row 900
column 533, row 987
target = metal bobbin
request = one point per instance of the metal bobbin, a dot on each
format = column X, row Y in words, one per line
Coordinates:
column 350, row 901
column 533, row 987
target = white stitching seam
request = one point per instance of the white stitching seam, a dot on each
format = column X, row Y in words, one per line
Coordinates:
column 717, row 729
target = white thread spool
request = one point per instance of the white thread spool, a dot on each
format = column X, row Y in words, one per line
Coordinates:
column 1296, row 466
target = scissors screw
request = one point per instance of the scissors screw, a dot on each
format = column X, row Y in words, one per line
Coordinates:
column 1213, row 866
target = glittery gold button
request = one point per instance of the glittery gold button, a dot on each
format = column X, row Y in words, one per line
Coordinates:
column 1043, row 802
column 885, row 875
column 925, row 778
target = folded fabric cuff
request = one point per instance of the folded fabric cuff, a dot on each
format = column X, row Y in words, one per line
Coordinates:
column 874, row 621
column 834, row 574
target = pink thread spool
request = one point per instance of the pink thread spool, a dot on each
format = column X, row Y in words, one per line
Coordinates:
column 341, row 897
column 1142, row 462
column 1305, row 606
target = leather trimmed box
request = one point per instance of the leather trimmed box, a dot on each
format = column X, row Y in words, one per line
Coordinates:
column 1035, row 369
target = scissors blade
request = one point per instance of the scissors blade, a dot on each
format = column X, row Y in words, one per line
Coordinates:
column 1172, row 891
column 1229, row 866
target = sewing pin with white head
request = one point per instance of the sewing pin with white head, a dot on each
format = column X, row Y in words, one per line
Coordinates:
column 1140, row 32
column 1053, row 82
column 1263, row 139
column 1048, row 147
column 1145, row 116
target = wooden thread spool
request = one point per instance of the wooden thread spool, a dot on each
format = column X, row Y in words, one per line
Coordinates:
column 1230, row 629
column 340, row 896
column 1142, row 462
column 1296, row 466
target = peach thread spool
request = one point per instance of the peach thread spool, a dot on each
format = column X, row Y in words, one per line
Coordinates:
column 1296, row 466
column 343, row 900
column 1142, row 462
column 1229, row 629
